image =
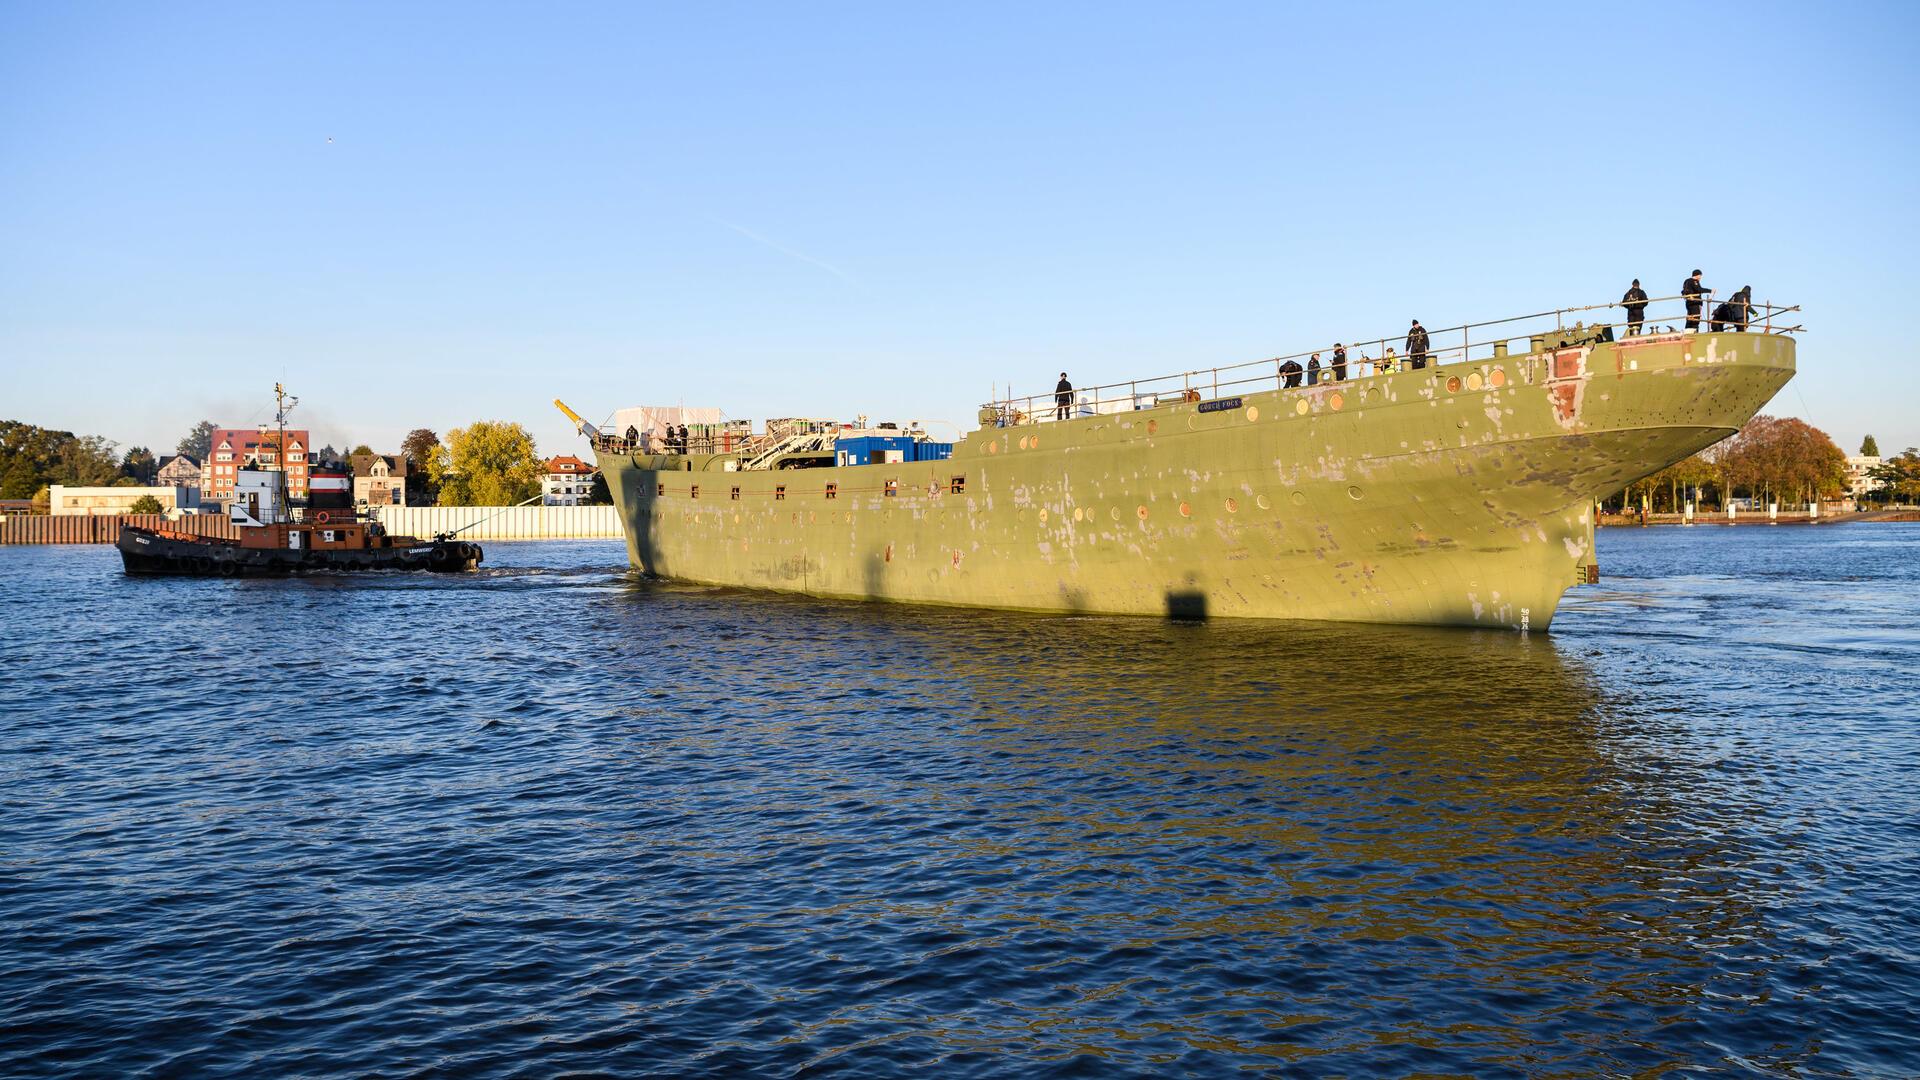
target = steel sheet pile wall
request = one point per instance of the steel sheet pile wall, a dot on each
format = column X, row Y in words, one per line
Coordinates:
column 511, row 523
column 103, row 528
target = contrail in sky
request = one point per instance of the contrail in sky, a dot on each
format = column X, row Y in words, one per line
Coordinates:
column 789, row 252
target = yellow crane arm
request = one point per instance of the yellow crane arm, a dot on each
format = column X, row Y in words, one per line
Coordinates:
column 584, row 427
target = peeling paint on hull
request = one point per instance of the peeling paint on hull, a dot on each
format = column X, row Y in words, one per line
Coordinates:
column 1406, row 498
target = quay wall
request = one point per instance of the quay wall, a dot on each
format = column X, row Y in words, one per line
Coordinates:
column 504, row 523
column 103, row 528
column 494, row 523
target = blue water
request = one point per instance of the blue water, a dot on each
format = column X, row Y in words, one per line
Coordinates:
column 547, row 820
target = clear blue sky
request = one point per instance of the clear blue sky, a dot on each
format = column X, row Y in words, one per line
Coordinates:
column 828, row 209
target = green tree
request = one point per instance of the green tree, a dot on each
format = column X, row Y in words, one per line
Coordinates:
column 198, row 443
column 487, row 463
column 19, row 480
column 1899, row 477
column 1869, row 447
column 87, row 461
column 141, row 465
column 146, row 504
column 363, row 448
column 601, row 495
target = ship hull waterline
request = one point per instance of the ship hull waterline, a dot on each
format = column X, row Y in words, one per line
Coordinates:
column 1460, row 495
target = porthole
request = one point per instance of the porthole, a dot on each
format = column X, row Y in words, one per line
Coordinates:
column 1233, row 506
column 1253, row 413
column 1453, row 384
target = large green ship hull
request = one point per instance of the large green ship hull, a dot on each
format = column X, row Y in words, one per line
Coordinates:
column 1460, row 495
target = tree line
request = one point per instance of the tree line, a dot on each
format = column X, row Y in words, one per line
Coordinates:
column 486, row 463
column 33, row 459
column 1771, row 459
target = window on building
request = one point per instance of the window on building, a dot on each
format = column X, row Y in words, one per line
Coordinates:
column 694, row 492
column 958, row 485
column 780, row 492
column 736, row 494
column 833, row 491
column 893, row 488
column 660, row 489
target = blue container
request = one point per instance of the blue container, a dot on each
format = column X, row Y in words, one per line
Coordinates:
column 866, row 449
column 932, row 451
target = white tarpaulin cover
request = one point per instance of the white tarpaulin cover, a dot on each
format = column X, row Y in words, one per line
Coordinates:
column 649, row 418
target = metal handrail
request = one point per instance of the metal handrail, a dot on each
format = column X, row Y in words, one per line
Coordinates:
column 1207, row 382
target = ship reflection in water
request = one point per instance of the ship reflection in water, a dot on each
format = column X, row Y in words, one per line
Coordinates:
column 1360, row 849
column 632, row 827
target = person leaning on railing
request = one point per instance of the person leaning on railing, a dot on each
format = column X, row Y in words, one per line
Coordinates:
column 1339, row 362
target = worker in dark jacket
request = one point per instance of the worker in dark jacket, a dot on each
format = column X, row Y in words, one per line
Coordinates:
column 1339, row 362
column 1313, row 370
column 1696, row 295
column 1062, row 397
column 1635, row 301
column 1290, row 371
column 1417, row 345
column 1743, row 307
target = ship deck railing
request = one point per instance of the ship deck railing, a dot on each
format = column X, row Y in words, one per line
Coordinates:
column 1454, row 345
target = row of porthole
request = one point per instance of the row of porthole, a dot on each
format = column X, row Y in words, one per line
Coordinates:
column 1495, row 379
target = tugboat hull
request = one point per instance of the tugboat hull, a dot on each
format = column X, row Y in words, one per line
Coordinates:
column 143, row 551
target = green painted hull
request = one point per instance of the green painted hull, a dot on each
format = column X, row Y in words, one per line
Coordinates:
column 1460, row 495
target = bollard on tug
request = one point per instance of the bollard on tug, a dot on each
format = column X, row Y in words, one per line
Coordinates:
column 276, row 539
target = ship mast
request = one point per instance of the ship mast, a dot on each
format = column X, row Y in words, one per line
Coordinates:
column 283, row 404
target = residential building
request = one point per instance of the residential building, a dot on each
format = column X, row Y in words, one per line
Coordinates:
column 234, row 448
column 81, row 501
column 1858, row 482
column 379, row 479
column 569, row 482
column 180, row 471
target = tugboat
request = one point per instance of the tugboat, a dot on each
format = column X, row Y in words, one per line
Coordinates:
column 277, row 539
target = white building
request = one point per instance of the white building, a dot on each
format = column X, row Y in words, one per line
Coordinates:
column 1858, row 482
column 67, row 501
column 569, row 482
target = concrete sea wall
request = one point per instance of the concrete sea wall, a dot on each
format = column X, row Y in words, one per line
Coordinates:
column 102, row 528
column 505, row 523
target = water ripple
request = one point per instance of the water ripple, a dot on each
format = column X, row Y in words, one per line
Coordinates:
column 549, row 820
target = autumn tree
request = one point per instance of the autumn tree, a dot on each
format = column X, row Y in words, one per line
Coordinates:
column 487, row 463
column 198, row 443
column 1773, row 457
column 420, row 446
